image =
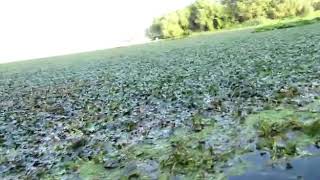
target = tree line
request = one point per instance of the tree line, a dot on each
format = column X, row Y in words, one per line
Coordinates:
column 210, row 15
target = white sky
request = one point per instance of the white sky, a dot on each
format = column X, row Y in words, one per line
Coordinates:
column 41, row 28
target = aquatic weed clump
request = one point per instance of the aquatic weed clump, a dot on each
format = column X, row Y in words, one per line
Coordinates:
column 285, row 132
column 183, row 159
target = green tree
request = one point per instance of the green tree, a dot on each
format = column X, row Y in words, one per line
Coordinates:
column 209, row 15
column 289, row 8
column 316, row 5
column 168, row 26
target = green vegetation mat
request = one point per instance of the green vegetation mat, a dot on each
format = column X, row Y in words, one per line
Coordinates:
column 180, row 109
column 284, row 25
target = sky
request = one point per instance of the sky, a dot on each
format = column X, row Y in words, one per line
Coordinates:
column 41, row 28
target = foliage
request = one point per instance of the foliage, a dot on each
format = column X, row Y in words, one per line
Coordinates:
column 251, row 9
column 316, row 4
column 210, row 15
column 207, row 15
column 289, row 8
column 168, row 26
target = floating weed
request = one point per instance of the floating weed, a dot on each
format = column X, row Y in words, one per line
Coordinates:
column 274, row 127
column 280, row 149
column 90, row 170
column 312, row 129
column 56, row 101
column 287, row 93
column 191, row 154
column 199, row 122
column 148, row 151
column 267, row 128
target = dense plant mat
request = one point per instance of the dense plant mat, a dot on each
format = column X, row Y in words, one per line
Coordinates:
column 174, row 109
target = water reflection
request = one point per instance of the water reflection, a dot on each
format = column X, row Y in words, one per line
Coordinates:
column 300, row 168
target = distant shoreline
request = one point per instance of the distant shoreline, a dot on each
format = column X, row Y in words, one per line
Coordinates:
column 121, row 44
